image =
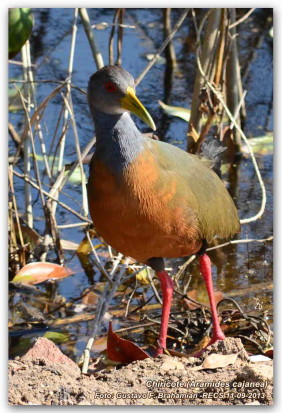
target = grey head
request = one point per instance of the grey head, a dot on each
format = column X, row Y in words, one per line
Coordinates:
column 111, row 91
column 107, row 87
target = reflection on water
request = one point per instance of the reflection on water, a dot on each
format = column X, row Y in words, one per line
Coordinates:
column 239, row 270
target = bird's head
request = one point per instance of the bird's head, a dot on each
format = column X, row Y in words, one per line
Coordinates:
column 111, row 90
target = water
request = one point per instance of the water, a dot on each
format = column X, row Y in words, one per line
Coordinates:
column 241, row 267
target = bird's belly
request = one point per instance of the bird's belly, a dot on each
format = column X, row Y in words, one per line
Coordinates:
column 136, row 220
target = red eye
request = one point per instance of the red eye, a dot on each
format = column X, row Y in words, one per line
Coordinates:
column 110, row 87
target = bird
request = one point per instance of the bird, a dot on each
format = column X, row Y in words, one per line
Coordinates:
column 149, row 199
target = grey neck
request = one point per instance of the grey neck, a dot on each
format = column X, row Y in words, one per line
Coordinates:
column 118, row 140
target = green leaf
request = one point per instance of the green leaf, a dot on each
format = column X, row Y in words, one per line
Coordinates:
column 75, row 177
column 178, row 111
column 261, row 145
column 56, row 337
column 20, row 27
column 15, row 103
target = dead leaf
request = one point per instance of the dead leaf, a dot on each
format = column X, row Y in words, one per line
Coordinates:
column 91, row 298
column 124, row 351
column 78, row 318
column 215, row 361
column 38, row 272
column 69, row 245
column 201, row 298
column 85, row 247
column 142, row 277
column 29, row 235
column 100, row 344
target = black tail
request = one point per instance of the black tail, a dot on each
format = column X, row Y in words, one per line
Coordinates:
column 212, row 149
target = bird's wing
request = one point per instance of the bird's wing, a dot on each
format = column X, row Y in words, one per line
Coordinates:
column 212, row 204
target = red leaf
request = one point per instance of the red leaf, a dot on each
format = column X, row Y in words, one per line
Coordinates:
column 124, row 351
column 37, row 272
column 269, row 353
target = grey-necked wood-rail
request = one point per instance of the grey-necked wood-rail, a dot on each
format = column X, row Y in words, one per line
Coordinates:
column 148, row 199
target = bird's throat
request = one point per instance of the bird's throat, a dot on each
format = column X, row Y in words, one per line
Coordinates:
column 119, row 141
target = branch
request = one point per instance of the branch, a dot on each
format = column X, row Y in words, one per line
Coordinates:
column 91, row 39
column 242, row 19
column 163, row 46
column 62, row 204
column 231, row 117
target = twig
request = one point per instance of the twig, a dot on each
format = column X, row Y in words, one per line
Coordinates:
column 251, row 341
column 105, row 24
column 97, row 260
column 68, row 103
column 102, row 307
column 242, row 19
column 130, row 298
column 51, row 226
column 37, row 115
column 14, row 134
column 221, row 48
column 240, row 241
column 159, row 322
column 84, row 153
column 75, row 224
column 253, row 53
column 154, row 288
column 38, row 129
column 27, row 151
column 111, row 38
column 169, row 50
column 234, row 88
column 10, row 174
column 33, row 148
column 263, row 190
column 163, row 46
column 70, row 69
column 62, row 204
column 60, row 82
column 139, row 307
column 91, row 39
column 236, row 114
column 135, row 327
column 19, row 63
column 120, row 36
column 183, row 267
column 206, row 53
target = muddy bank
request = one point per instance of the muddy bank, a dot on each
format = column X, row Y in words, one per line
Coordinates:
column 44, row 376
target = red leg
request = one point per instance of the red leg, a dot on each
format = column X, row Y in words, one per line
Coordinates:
column 205, row 266
column 167, row 291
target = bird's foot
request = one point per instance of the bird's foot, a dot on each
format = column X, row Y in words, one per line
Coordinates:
column 219, row 336
column 158, row 352
column 216, row 337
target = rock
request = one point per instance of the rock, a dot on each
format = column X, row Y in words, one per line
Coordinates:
column 49, row 354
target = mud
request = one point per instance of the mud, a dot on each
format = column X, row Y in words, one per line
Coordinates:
column 44, row 376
